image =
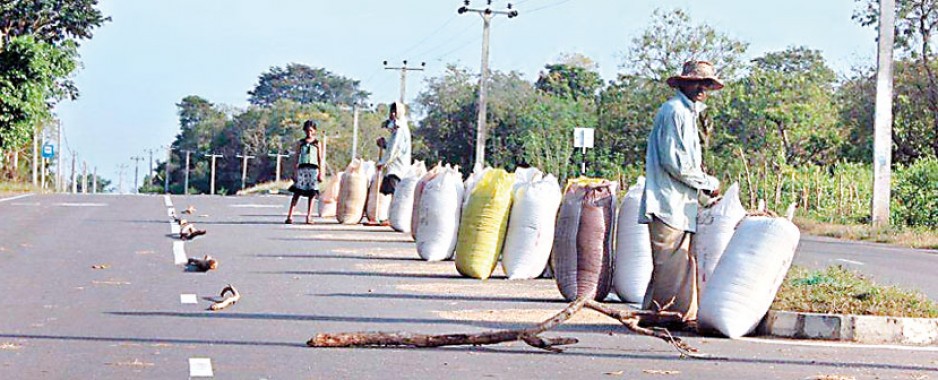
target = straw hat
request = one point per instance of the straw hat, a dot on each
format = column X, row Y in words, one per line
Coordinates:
column 697, row 71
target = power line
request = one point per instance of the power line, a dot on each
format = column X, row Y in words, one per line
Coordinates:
column 561, row 2
column 428, row 36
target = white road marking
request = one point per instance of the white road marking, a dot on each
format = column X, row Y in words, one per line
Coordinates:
column 188, row 299
column 179, row 253
column 174, row 227
column 808, row 343
column 15, row 198
column 850, row 262
column 200, row 367
column 166, row 201
column 256, row 206
column 31, row 204
column 81, row 204
column 170, row 212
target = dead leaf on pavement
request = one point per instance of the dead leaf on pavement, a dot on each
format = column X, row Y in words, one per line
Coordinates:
column 614, row 373
column 145, row 252
column 100, row 266
column 110, row 282
column 660, row 372
column 9, row 346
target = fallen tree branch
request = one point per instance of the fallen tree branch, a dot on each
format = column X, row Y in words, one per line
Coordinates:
column 389, row 339
column 204, row 264
column 228, row 301
column 630, row 319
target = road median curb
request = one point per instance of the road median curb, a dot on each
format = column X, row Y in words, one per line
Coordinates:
column 850, row 328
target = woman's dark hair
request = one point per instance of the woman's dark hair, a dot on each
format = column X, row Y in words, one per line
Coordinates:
column 310, row 124
column 393, row 108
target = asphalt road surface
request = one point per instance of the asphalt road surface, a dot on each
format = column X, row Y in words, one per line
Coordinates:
column 61, row 318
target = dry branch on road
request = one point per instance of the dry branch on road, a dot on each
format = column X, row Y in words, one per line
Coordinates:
column 630, row 319
column 228, row 301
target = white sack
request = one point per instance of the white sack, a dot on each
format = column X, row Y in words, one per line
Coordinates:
column 748, row 276
column 633, row 260
column 715, row 227
column 531, row 225
column 402, row 204
column 438, row 216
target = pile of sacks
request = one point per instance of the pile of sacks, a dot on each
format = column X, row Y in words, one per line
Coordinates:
column 592, row 243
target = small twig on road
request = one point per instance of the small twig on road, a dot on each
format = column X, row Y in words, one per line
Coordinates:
column 630, row 319
column 228, row 301
column 204, row 264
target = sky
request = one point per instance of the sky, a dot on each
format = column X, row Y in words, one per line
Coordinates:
column 155, row 52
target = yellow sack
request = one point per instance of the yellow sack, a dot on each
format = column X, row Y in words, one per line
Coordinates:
column 483, row 224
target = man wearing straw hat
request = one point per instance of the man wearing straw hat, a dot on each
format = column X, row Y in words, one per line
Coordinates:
column 674, row 181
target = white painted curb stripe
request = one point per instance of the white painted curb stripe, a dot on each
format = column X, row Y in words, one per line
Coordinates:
column 166, row 201
column 850, row 262
column 200, row 367
column 188, row 299
column 81, row 204
column 15, row 198
column 179, row 253
column 170, row 212
column 173, row 227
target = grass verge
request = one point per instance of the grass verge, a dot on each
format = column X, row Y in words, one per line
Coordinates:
column 272, row 187
column 838, row 290
column 16, row 187
column 924, row 238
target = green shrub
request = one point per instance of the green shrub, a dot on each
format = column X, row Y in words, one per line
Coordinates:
column 915, row 194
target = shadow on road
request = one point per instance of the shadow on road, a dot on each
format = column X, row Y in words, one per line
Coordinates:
column 153, row 340
column 335, row 256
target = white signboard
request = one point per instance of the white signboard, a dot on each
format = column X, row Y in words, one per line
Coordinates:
column 583, row 137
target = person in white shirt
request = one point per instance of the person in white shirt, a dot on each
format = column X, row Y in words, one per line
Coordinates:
column 397, row 156
column 674, row 181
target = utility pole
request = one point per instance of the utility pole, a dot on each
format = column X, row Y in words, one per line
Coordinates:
column 74, row 174
column 882, row 122
column 169, row 158
column 150, row 151
column 404, row 69
column 244, row 168
column 136, row 160
column 487, row 15
column 94, row 181
column 354, row 132
column 185, row 183
column 120, row 178
column 212, row 182
column 84, row 177
column 42, row 173
column 59, row 186
column 35, row 160
column 280, row 156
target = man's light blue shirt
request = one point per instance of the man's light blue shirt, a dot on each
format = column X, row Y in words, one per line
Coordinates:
column 673, row 173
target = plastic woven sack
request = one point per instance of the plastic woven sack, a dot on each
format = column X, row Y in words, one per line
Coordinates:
column 633, row 260
column 715, row 228
column 582, row 251
column 483, row 224
column 352, row 194
column 531, row 226
column 439, row 214
column 402, row 204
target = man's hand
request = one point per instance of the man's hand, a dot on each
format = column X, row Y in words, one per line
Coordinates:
column 712, row 193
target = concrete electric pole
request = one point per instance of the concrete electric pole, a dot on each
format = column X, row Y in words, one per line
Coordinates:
column 487, row 15
column 150, row 173
column 244, row 168
column 882, row 122
column 84, row 177
column 185, row 183
column 136, row 160
column 279, row 157
column 94, row 180
column 212, row 181
column 120, row 178
column 404, row 69
column 74, row 174
column 169, row 159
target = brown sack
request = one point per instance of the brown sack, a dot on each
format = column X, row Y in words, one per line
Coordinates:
column 352, row 194
column 582, row 252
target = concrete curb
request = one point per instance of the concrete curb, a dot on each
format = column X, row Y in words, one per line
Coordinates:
column 850, row 328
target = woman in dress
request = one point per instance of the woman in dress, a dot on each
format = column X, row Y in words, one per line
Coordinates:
column 307, row 175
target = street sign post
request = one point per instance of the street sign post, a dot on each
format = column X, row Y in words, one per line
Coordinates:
column 583, row 138
column 48, row 151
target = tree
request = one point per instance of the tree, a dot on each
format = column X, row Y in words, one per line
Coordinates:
column 30, row 71
column 916, row 24
column 51, row 21
column 672, row 39
column 574, row 76
column 305, row 85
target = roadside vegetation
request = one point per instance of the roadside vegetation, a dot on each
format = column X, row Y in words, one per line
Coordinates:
column 838, row 290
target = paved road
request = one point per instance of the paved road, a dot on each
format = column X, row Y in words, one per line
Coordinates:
column 60, row 318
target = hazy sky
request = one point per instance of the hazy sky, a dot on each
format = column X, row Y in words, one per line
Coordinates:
column 155, row 52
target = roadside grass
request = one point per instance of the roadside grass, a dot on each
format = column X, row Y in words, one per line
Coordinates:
column 16, row 187
column 272, row 187
column 924, row 238
column 838, row 290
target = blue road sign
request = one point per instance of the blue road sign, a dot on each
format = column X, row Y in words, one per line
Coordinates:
column 48, row 151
